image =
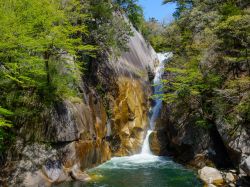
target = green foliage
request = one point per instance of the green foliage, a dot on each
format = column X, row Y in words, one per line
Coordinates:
column 133, row 11
column 209, row 73
column 4, row 124
column 4, row 113
column 182, row 6
column 153, row 32
column 44, row 46
column 229, row 9
column 109, row 31
column 32, row 33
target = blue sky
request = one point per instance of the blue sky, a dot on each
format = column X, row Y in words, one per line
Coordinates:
column 154, row 8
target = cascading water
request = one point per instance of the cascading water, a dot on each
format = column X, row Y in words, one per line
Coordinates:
column 144, row 169
column 163, row 57
column 145, row 146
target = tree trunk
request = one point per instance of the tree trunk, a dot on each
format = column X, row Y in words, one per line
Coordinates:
column 46, row 58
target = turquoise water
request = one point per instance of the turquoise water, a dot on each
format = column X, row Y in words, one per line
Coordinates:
column 140, row 170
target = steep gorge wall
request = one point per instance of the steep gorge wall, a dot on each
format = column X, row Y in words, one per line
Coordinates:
column 130, row 106
column 109, row 119
column 223, row 144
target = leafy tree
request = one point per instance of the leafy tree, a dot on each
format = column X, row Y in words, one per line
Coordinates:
column 210, row 67
column 37, row 38
column 44, row 47
column 153, row 31
column 109, row 31
column 133, row 11
column 4, row 123
column 182, row 6
column 33, row 33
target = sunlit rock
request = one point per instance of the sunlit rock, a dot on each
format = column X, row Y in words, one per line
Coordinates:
column 211, row 176
column 229, row 177
column 131, row 101
column 36, row 179
column 77, row 174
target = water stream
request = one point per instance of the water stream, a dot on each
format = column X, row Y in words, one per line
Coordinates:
column 163, row 57
column 144, row 169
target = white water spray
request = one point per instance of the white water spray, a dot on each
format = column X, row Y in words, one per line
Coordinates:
column 163, row 57
column 145, row 146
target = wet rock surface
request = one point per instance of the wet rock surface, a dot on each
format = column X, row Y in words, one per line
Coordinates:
column 157, row 143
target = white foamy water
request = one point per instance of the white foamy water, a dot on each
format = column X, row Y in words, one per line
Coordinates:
column 145, row 146
column 132, row 162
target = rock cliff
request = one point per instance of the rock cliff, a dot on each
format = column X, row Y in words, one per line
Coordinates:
column 110, row 119
column 223, row 144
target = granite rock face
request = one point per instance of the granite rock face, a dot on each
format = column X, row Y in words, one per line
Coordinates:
column 219, row 142
column 236, row 140
column 178, row 136
column 156, row 143
column 130, row 116
column 221, row 145
column 110, row 117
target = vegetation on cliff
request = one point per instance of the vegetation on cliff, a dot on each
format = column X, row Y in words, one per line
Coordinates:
column 209, row 73
column 44, row 49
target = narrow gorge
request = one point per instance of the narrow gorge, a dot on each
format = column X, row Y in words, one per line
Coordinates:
column 144, row 168
column 100, row 93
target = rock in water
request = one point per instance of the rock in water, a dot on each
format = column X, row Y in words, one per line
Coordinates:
column 211, row 176
column 154, row 143
column 79, row 175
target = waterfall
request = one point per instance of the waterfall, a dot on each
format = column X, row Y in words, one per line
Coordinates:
column 163, row 57
column 145, row 146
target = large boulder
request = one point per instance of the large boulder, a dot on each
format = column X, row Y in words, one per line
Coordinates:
column 77, row 174
column 157, row 141
column 211, row 175
column 154, row 143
